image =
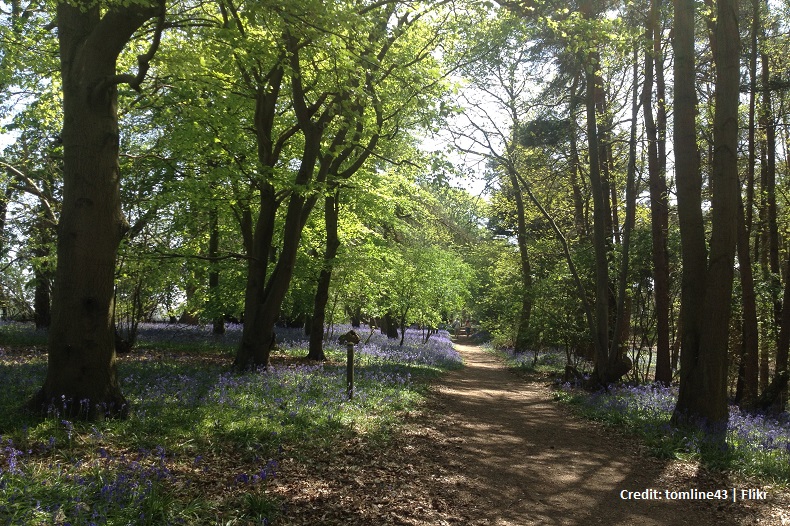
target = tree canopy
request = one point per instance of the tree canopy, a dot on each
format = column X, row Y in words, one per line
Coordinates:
column 271, row 164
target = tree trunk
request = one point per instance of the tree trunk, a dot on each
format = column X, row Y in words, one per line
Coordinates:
column 703, row 384
column 265, row 296
column 579, row 216
column 218, row 324
column 659, row 204
column 389, row 326
column 41, row 238
column 784, row 337
column 748, row 368
column 331, row 213
column 619, row 364
column 42, row 312
column 522, row 334
column 601, row 221
column 689, row 184
column 263, row 307
column 81, row 372
column 771, row 240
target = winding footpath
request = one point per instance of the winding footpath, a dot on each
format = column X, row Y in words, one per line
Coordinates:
column 525, row 460
column 491, row 448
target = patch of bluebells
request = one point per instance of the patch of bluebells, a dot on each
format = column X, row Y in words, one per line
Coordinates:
column 759, row 437
column 760, row 432
column 267, row 472
column 287, row 402
column 77, row 492
column 553, row 359
column 154, row 334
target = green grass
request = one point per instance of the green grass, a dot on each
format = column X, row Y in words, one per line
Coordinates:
column 202, row 442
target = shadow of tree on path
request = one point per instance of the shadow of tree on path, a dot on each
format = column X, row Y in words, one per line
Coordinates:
column 525, row 460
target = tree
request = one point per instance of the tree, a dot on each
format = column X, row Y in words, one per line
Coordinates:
column 707, row 278
column 655, row 128
column 81, row 361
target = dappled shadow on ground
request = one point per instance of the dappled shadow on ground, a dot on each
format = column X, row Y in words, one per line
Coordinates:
column 524, row 460
column 492, row 449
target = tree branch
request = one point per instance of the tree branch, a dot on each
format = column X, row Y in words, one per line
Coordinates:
column 143, row 61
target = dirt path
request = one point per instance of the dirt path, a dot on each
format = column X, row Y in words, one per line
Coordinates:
column 494, row 449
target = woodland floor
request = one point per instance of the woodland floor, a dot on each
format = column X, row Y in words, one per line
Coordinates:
column 491, row 448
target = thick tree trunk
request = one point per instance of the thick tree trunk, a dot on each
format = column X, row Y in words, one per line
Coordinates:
column 331, row 213
column 703, row 388
column 389, row 325
column 689, row 185
column 265, row 296
column 82, row 364
column 355, row 315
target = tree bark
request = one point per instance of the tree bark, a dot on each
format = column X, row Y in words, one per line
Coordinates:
column 522, row 333
column 784, row 338
column 601, row 223
column 218, row 323
column 748, row 368
column 770, row 243
column 81, row 371
column 617, row 357
column 579, row 215
column 331, row 213
column 659, row 201
column 703, row 384
column 264, row 296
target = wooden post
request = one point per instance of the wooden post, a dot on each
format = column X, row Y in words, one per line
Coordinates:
column 350, row 370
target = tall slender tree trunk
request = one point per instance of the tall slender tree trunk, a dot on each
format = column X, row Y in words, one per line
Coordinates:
column 42, row 275
column 619, row 364
column 579, row 215
column 748, row 368
column 659, row 201
column 783, row 345
column 331, row 213
column 522, row 334
column 601, row 221
column 770, row 248
column 5, row 197
column 81, row 367
column 218, row 324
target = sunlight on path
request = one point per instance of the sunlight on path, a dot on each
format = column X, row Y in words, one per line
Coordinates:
column 522, row 459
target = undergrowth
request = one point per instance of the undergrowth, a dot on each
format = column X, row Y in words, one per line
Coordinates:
column 202, row 442
column 755, row 444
